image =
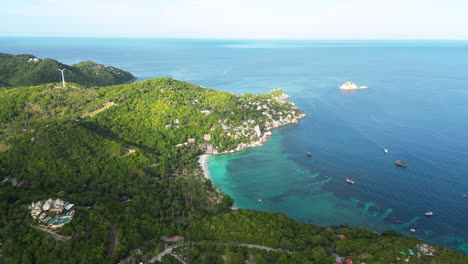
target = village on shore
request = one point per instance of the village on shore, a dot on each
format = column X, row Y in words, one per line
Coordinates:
column 253, row 132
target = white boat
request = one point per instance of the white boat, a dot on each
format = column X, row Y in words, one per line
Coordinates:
column 429, row 213
column 412, row 230
column 385, row 150
column 260, row 200
column 350, row 181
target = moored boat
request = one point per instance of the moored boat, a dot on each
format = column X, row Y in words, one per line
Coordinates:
column 400, row 163
column 385, row 150
column 348, row 180
column 412, row 230
column 465, row 196
column 309, row 154
column 429, row 213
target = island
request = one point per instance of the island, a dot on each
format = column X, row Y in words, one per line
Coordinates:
column 127, row 157
column 351, row 86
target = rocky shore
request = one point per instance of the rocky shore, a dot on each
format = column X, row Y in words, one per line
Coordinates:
column 261, row 131
column 282, row 119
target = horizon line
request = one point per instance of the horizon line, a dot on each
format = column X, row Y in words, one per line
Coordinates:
column 208, row 38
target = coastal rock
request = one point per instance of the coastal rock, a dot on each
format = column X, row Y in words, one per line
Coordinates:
column 257, row 130
column 351, row 86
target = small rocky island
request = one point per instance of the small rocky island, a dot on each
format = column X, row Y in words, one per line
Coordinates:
column 351, row 86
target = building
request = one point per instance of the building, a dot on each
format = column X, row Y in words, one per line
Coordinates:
column 36, row 209
column 172, row 239
column 33, row 60
column 209, row 148
column 53, row 205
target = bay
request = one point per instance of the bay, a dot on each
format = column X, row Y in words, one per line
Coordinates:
column 416, row 107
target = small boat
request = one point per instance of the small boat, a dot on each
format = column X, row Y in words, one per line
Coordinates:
column 391, row 217
column 397, row 222
column 400, row 163
column 465, row 196
column 350, row 181
column 260, row 200
column 309, row 154
column 412, row 230
column 385, row 150
column 429, row 213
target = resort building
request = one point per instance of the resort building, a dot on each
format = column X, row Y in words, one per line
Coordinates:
column 63, row 215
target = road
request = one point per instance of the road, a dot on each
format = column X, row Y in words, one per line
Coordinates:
column 53, row 234
column 168, row 250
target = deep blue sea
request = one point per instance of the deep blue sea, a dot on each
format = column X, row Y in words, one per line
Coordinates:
column 416, row 107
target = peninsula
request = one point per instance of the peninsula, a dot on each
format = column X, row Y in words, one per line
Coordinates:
column 351, row 86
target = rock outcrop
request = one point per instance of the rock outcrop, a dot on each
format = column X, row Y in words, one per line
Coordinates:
column 351, row 86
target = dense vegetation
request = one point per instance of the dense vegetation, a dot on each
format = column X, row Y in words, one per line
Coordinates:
column 26, row 70
column 97, row 147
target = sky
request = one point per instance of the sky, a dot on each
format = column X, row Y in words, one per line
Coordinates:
column 237, row 19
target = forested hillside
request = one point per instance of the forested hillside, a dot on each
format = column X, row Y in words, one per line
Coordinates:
column 127, row 157
column 26, row 70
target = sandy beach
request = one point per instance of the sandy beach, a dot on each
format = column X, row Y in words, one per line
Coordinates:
column 203, row 160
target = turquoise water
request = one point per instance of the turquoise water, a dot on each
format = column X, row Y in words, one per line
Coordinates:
column 416, row 107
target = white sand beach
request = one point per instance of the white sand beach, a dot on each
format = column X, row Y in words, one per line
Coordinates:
column 203, row 160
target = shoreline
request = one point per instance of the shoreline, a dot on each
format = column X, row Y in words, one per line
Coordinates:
column 263, row 138
column 131, row 80
column 203, row 158
column 203, row 161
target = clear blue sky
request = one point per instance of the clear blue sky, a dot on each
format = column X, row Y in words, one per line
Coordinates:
column 277, row 19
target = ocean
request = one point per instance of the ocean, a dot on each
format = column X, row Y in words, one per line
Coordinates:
column 416, row 107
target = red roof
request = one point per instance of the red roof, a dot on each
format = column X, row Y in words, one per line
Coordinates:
column 341, row 236
column 172, row 239
column 349, row 261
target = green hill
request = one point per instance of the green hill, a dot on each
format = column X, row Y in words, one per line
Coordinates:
column 27, row 70
column 127, row 157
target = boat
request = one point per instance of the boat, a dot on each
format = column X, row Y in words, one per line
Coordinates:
column 465, row 196
column 412, row 230
column 385, row 150
column 350, row 181
column 397, row 222
column 309, row 154
column 260, row 200
column 429, row 213
column 400, row 163
column 391, row 217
